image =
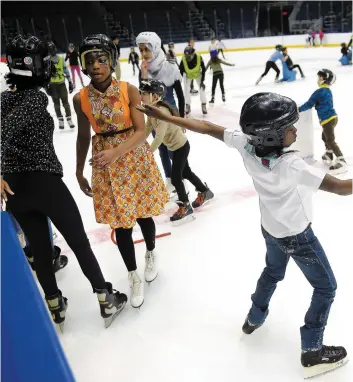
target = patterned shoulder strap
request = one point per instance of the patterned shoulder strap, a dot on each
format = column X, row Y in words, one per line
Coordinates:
column 86, row 108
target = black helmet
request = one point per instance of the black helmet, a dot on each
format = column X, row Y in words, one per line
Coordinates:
column 265, row 116
column 189, row 50
column 328, row 76
column 98, row 42
column 152, row 86
column 279, row 47
column 28, row 57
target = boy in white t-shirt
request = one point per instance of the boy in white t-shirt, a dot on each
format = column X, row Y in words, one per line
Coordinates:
column 285, row 184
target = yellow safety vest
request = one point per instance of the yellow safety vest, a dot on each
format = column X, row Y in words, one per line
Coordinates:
column 192, row 74
column 59, row 72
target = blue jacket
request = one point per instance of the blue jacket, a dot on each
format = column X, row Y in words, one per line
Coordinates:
column 323, row 102
column 276, row 55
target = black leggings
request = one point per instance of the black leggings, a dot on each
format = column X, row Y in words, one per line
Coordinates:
column 181, row 170
column 217, row 76
column 39, row 195
column 126, row 244
column 271, row 65
column 297, row 66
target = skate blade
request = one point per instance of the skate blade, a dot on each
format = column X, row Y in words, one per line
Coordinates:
column 150, row 281
column 339, row 171
column 138, row 307
column 316, row 371
column 61, row 327
column 187, row 219
column 109, row 320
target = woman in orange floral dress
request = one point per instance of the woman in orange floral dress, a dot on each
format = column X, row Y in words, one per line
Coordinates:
column 127, row 186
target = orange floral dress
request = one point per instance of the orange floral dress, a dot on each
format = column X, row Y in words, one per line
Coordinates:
column 132, row 187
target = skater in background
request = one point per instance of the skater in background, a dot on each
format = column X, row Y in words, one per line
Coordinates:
column 134, row 59
column 127, row 187
column 271, row 64
column 350, row 42
column 308, row 38
column 171, row 56
column 192, row 68
column 313, row 36
column 173, row 137
column 217, row 45
column 289, row 62
column 321, row 36
column 267, row 121
column 57, row 87
column 323, row 101
column 72, row 56
column 117, row 68
column 32, row 184
column 155, row 66
column 192, row 88
column 215, row 63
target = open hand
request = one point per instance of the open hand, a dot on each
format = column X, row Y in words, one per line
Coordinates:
column 5, row 189
column 151, row 111
column 104, row 158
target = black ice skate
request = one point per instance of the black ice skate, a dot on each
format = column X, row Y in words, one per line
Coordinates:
column 183, row 215
column 249, row 328
column 61, row 123
column 204, row 109
column 194, row 91
column 339, row 167
column 203, row 198
column 70, row 123
column 258, row 81
column 327, row 158
column 187, row 109
column 57, row 305
column 111, row 303
column 212, row 101
column 323, row 361
column 59, row 261
column 223, row 97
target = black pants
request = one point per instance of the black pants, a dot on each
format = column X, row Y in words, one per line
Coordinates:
column 133, row 67
column 126, row 244
column 59, row 93
column 39, row 195
column 217, row 76
column 181, row 170
column 271, row 65
column 192, row 85
column 297, row 66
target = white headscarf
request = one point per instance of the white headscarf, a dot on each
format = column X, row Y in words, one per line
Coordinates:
column 158, row 67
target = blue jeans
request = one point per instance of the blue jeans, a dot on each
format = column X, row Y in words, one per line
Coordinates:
column 307, row 252
column 166, row 157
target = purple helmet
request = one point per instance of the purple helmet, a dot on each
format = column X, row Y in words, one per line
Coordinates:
column 214, row 53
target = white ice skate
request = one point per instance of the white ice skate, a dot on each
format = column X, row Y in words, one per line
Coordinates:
column 151, row 268
column 136, row 289
column 327, row 158
column 339, row 167
column 168, row 184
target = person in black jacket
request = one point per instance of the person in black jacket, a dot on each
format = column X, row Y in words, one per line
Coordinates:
column 134, row 59
column 72, row 56
column 32, row 184
column 289, row 62
column 117, row 68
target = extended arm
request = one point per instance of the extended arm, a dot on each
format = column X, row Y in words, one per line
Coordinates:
column 310, row 103
column 336, row 186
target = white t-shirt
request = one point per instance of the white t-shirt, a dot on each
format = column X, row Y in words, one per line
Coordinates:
column 285, row 189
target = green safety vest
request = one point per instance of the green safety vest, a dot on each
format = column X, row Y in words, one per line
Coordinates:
column 192, row 74
column 59, row 72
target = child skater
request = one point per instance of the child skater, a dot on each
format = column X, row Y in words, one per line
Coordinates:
column 134, row 60
column 323, row 102
column 170, row 55
column 172, row 136
column 215, row 64
column 155, row 66
column 271, row 64
column 289, row 62
column 267, row 121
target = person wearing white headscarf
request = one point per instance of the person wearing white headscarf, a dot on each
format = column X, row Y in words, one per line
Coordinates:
column 155, row 66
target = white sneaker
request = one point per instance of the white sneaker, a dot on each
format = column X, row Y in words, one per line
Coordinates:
column 136, row 289
column 151, row 268
column 168, row 184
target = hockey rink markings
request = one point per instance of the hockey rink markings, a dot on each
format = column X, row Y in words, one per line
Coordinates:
column 103, row 234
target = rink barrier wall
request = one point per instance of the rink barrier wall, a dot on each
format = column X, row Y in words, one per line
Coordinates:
column 30, row 348
column 254, row 43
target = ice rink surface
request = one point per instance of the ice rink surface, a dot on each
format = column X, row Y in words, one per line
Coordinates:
column 189, row 328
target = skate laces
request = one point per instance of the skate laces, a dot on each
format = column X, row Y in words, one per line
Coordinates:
column 136, row 286
column 329, row 350
column 149, row 260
